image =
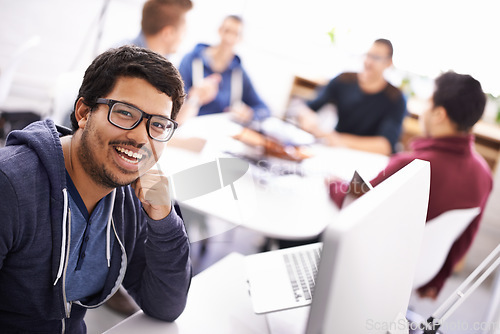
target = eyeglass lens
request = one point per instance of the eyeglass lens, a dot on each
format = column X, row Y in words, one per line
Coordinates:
column 374, row 57
column 128, row 117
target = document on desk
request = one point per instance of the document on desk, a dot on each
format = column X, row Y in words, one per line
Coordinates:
column 286, row 132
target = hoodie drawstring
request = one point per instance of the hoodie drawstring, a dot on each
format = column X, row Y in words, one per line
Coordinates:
column 64, row 236
column 108, row 228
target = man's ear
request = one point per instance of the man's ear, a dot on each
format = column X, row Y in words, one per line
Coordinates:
column 82, row 112
column 440, row 114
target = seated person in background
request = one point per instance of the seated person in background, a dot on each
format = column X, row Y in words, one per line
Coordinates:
column 162, row 26
column 222, row 70
column 370, row 110
column 460, row 178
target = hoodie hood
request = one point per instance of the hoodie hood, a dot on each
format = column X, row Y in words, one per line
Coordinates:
column 43, row 138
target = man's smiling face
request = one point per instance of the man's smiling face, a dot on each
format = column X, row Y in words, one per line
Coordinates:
column 115, row 157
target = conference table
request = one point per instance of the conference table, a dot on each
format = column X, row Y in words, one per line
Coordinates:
column 279, row 198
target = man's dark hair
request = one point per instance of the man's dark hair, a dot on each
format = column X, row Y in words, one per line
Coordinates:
column 462, row 97
column 130, row 61
column 387, row 43
column 157, row 14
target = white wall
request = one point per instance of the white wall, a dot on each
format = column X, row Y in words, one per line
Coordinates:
column 282, row 38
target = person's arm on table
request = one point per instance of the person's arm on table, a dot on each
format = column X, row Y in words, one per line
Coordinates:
column 375, row 144
column 159, row 272
column 308, row 121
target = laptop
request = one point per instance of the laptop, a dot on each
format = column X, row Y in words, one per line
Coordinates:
column 284, row 278
column 298, row 266
column 362, row 279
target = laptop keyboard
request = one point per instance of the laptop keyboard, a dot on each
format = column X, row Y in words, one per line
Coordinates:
column 302, row 268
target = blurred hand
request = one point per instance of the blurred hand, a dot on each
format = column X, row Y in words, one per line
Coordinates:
column 152, row 190
column 430, row 292
column 207, row 90
column 240, row 113
column 331, row 139
column 307, row 119
column 329, row 179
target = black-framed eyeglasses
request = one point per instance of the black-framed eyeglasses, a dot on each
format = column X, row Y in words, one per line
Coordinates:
column 128, row 117
column 377, row 58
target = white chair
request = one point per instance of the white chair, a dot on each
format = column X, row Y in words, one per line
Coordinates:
column 439, row 235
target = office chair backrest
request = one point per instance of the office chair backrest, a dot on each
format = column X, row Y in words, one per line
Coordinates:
column 439, row 235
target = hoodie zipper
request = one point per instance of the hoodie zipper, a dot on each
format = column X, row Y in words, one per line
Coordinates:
column 64, row 235
column 65, row 248
column 63, row 263
column 67, row 305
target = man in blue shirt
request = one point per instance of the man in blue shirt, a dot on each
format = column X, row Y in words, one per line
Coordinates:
column 216, row 81
column 370, row 110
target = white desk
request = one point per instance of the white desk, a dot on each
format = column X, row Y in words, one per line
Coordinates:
column 287, row 207
column 218, row 303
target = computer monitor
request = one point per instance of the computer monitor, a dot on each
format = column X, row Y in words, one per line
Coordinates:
column 369, row 257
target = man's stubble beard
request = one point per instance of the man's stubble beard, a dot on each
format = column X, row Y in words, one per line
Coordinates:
column 86, row 155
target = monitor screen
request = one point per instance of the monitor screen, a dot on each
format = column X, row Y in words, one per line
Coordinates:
column 369, row 258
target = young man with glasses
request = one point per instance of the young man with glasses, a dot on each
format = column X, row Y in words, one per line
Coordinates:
column 82, row 213
column 370, row 110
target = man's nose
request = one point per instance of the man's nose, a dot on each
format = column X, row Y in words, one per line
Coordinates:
column 140, row 133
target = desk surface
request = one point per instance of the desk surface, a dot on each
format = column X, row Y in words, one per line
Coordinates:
column 278, row 206
column 218, row 302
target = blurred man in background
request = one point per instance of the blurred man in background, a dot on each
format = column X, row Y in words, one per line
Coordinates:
column 370, row 110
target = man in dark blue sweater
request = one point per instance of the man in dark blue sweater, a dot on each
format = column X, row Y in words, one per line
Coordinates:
column 82, row 213
column 370, row 110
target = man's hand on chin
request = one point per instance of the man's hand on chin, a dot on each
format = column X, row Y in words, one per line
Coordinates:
column 152, row 190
